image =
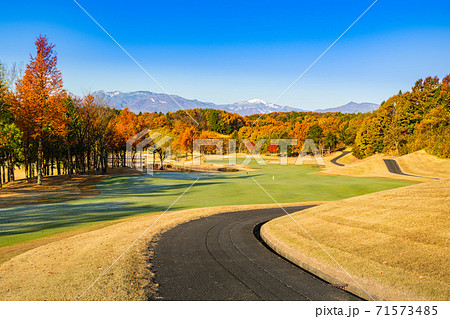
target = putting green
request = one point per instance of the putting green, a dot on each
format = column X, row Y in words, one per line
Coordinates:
column 124, row 196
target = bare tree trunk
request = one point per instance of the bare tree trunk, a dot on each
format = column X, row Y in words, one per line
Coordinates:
column 161, row 159
column 58, row 165
column 26, row 170
column 11, row 163
column 13, row 177
column 104, row 161
column 7, row 171
column 83, row 163
column 88, row 160
column 4, row 175
column 69, row 162
column 39, row 162
column 95, row 157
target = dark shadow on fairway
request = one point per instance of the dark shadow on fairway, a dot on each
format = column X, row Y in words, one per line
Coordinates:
column 26, row 219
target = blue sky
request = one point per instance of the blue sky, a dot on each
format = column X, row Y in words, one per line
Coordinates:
column 227, row 51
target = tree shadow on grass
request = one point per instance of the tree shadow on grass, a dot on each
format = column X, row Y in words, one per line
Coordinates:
column 55, row 217
column 121, row 197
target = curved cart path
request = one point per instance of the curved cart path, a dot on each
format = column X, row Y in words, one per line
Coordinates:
column 221, row 258
column 334, row 160
column 394, row 168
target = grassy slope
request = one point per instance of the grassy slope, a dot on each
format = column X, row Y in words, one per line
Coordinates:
column 418, row 163
column 373, row 166
column 421, row 163
column 348, row 159
column 396, row 242
column 124, row 196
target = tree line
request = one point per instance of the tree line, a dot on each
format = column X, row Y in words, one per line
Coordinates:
column 410, row 121
column 45, row 130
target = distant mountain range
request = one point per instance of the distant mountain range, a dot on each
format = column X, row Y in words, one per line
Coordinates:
column 352, row 107
column 145, row 101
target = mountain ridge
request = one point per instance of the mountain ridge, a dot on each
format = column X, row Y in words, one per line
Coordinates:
column 146, row 101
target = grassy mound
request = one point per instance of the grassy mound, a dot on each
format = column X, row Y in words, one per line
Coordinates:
column 421, row 163
column 418, row 163
column 394, row 243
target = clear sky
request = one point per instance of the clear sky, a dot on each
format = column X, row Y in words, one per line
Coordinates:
column 227, row 51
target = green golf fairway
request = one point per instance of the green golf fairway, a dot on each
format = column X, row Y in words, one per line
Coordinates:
column 124, row 196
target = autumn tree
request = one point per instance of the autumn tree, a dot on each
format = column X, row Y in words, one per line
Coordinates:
column 409, row 121
column 299, row 132
column 315, row 133
column 103, row 133
column 123, row 127
column 4, row 118
column 162, row 146
column 330, row 140
column 394, row 138
column 210, row 135
column 187, row 139
column 40, row 108
column 10, row 134
column 84, row 134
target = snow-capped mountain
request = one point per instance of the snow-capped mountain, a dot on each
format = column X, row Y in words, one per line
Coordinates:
column 255, row 106
column 145, row 101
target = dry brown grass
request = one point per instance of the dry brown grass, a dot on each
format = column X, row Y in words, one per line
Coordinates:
column 373, row 166
column 348, row 159
column 19, row 173
column 22, row 192
column 63, row 269
column 395, row 243
column 423, row 164
column 8, row 252
column 419, row 163
column 327, row 159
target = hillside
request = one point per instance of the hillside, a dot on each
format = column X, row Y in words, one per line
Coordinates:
column 352, row 107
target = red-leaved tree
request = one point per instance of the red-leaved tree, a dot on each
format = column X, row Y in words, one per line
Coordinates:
column 40, row 108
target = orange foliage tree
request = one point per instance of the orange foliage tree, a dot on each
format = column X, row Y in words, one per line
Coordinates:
column 187, row 139
column 40, row 108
